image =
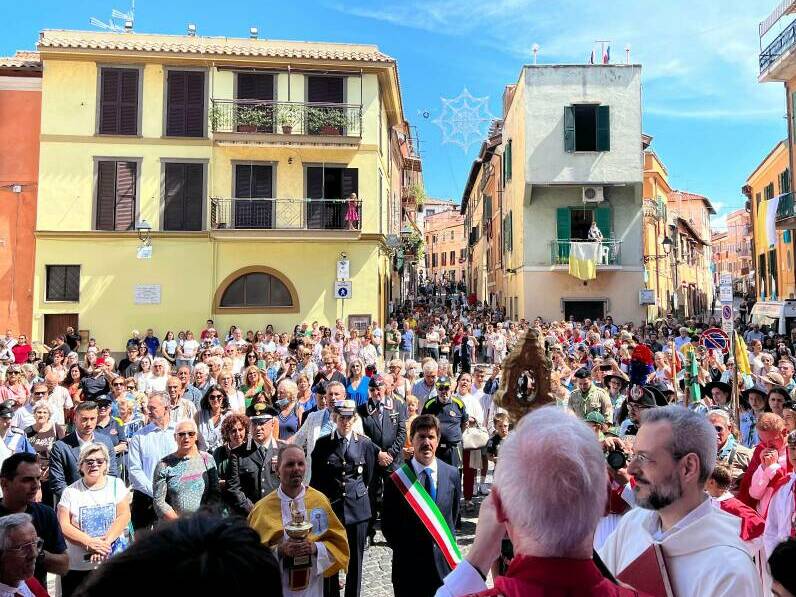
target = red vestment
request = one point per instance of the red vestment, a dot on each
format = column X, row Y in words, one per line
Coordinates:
column 777, row 481
column 752, row 525
column 555, row 577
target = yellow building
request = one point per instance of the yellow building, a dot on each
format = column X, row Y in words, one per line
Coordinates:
column 240, row 155
column 768, row 189
column 657, row 268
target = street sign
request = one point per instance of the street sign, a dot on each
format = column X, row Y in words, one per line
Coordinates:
column 715, row 339
column 646, row 296
column 342, row 290
column 725, row 294
column 343, row 269
column 726, row 319
column 725, row 279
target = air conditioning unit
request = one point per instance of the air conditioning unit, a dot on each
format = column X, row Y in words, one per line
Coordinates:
column 593, row 194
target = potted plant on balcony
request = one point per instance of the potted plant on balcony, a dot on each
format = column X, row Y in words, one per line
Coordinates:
column 327, row 120
column 252, row 118
column 289, row 116
column 216, row 116
column 419, row 195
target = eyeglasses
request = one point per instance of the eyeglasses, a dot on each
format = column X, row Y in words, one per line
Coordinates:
column 118, row 385
column 39, row 393
column 38, row 544
column 93, row 461
column 215, row 397
column 186, row 434
column 173, row 387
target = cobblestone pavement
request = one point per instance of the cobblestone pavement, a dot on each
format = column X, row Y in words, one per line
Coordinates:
column 377, row 564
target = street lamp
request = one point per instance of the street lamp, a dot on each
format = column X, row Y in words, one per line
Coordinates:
column 667, row 248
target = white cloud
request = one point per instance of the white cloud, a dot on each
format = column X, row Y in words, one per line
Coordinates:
column 718, row 223
column 700, row 59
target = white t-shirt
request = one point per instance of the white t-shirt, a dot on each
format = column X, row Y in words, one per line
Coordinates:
column 58, row 400
column 169, row 347
column 93, row 512
column 189, row 348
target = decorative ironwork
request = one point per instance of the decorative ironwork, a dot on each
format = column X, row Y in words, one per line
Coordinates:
column 610, row 252
column 785, row 208
column 285, row 214
column 296, row 118
column 781, row 44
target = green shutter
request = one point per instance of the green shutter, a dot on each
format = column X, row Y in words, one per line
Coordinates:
column 603, row 128
column 604, row 219
column 509, row 158
column 510, row 235
column 569, row 129
column 563, row 231
column 487, row 208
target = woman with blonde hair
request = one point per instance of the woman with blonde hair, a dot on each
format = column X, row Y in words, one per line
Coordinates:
column 93, row 514
column 401, row 385
column 160, row 374
column 144, row 373
column 357, row 383
column 252, row 384
column 352, row 346
column 226, row 381
column 287, row 404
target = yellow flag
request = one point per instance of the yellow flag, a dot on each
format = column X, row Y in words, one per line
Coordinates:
column 741, row 356
column 583, row 260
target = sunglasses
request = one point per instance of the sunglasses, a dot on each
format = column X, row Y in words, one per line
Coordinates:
column 215, row 397
column 118, row 385
column 93, row 461
column 186, row 434
column 131, row 388
column 39, row 393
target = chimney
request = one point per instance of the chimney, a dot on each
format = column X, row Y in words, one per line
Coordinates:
column 253, row 32
column 191, row 30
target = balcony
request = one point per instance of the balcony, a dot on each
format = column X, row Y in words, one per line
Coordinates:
column 786, row 214
column 610, row 253
column 772, row 67
column 285, row 214
column 285, row 122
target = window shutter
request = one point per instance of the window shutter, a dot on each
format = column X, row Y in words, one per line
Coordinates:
column 255, row 86
column 174, row 197
column 351, row 182
column 604, row 219
column 603, row 128
column 569, row 128
column 125, row 195
column 110, row 83
column 325, row 90
column 185, row 110
column 509, row 158
column 194, row 196
column 128, row 102
column 793, row 113
column 314, row 182
column 106, row 195
column 262, row 181
column 563, row 233
column 508, row 233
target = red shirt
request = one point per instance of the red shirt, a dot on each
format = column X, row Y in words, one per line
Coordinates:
column 21, row 352
column 555, row 577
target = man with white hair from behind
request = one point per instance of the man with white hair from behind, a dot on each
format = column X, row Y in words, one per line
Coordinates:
column 549, row 493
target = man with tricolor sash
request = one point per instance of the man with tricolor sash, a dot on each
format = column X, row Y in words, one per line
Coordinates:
column 421, row 503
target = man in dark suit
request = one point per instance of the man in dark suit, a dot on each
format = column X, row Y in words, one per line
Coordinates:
column 343, row 464
column 65, row 452
column 418, row 564
column 252, row 468
column 384, row 422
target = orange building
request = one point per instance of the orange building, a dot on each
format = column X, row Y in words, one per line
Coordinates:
column 768, row 189
column 20, row 115
column 732, row 252
column 446, row 247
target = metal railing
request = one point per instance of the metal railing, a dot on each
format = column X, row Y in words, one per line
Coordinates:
column 610, row 252
column 285, row 214
column 783, row 42
column 785, row 208
column 296, row 118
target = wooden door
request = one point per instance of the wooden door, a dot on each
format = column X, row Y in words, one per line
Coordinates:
column 55, row 324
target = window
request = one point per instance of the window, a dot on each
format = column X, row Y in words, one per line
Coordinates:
column 254, row 207
column 63, row 283
column 784, row 181
column 461, row 254
column 185, row 103
column 429, row 212
column 444, row 258
column 325, row 90
column 453, row 257
column 507, row 163
column 769, row 191
column 258, row 90
column 323, row 183
column 257, row 289
column 183, row 204
column 587, row 128
column 507, row 233
column 116, row 192
column 118, row 104
column 434, row 260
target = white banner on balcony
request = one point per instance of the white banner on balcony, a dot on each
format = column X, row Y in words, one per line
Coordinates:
column 770, row 219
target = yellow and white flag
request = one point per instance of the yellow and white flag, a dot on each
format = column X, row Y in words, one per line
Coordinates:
column 583, row 258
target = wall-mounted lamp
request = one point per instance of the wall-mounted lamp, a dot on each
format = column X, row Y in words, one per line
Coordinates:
column 144, row 229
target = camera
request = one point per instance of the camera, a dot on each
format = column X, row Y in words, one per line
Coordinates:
column 616, row 459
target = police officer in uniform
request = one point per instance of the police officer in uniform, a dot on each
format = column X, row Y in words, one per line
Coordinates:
column 14, row 437
column 384, row 422
column 452, row 421
column 343, row 464
column 252, row 469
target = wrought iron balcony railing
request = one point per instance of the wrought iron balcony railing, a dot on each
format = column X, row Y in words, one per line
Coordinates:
column 285, row 214
column 783, row 42
column 609, row 254
column 294, row 118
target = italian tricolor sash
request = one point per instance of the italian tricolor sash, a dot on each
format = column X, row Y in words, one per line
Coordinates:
column 410, row 487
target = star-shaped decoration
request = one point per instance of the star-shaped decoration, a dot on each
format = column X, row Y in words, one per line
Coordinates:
column 464, row 120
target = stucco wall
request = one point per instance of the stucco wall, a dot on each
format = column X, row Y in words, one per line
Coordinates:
column 548, row 89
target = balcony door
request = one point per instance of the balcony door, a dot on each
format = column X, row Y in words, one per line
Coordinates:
column 254, row 109
column 254, row 204
column 327, row 189
column 329, row 93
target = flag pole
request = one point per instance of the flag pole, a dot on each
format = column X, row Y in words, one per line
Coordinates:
column 736, row 406
column 675, row 383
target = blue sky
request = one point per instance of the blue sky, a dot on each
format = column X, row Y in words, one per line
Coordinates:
column 711, row 121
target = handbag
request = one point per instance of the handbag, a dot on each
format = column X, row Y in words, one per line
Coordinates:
column 123, row 541
column 474, row 438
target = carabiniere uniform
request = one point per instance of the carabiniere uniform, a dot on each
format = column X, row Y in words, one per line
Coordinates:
column 452, row 417
column 342, row 470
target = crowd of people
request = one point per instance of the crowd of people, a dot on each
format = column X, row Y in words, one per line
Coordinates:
column 320, row 436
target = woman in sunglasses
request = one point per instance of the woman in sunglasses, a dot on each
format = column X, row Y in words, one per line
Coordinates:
column 185, row 480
